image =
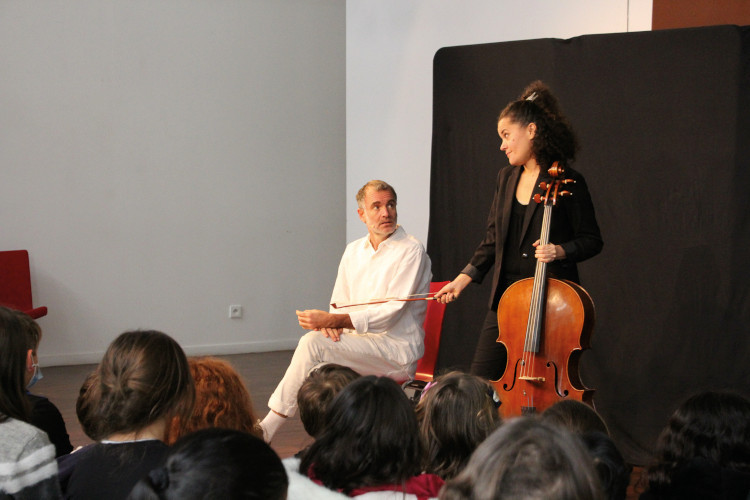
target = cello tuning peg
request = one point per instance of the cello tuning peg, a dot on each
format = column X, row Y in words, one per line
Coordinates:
column 538, row 198
column 543, row 185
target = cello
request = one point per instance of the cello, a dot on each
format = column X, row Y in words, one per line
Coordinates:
column 544, row 324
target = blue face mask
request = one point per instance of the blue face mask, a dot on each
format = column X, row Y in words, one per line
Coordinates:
column 36, row 377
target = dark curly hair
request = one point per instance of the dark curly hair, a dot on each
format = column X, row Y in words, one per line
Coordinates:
column 709, row 425
column 371, row 438
column 143, row 376
column 554, row 139
column 455, row 415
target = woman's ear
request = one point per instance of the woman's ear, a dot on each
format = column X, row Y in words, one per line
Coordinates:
column 531, row 130
column 30, row 361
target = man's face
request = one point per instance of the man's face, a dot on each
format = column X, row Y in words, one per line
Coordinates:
column 378, row 212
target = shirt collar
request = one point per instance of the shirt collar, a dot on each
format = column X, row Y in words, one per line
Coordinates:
column 398, row 234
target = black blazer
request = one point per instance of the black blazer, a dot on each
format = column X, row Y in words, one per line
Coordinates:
column 573, row 227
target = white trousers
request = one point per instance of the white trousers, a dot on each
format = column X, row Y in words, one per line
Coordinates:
column 361, row 353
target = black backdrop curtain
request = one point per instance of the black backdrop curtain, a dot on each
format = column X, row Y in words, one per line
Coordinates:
column 664, row 124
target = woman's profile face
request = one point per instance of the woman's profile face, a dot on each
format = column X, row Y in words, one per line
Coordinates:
column 516, row 140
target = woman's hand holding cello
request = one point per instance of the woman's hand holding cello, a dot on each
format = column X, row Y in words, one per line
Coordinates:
column 549, row 252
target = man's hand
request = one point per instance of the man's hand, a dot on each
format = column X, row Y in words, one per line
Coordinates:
column 332, row 333
column 330, row 325
column 313, row 319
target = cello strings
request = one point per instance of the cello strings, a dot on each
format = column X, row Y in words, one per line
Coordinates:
column 534, row 326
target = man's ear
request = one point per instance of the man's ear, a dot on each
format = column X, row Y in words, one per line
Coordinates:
column 30, row 361
column 361, row 214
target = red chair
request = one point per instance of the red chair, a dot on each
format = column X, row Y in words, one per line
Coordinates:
column 433, row 327
column 15, row 283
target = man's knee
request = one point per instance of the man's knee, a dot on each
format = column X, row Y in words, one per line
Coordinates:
column 312, row 342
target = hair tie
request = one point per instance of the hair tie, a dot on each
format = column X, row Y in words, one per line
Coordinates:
column 159, row 478
column 426, row 387
column 532, row 96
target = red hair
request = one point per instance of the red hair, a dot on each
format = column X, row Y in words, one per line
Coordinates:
column 221, row 400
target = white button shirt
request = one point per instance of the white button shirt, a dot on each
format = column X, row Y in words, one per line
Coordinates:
column 400, row 267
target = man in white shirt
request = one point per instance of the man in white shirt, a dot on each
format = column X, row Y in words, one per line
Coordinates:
column 374, row 339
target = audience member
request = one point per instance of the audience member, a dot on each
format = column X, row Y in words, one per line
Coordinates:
column 579, row 418
column 370, row 444
column 216, row 463
column 27, row 459
column 527, row 459
column 221, row 400
column 317, row 392
column 704, row 451
column 142, row 382
column 613, row 472
column 456, row 413
column 44, row 414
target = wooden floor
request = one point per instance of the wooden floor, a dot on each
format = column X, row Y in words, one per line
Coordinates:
column 261, row 372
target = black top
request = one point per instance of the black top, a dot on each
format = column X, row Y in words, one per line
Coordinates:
column 46, row 416
column 108, row 470
column 511, row 268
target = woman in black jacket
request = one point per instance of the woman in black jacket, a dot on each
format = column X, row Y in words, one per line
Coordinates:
column 534, row 135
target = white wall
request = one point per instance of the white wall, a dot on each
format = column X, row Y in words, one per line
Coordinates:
column 162, row 160
column 389, row 52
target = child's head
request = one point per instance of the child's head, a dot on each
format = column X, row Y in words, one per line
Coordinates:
column 527, row 459
column 710, row 426
column 317, row 392
column 370, row 439
column 610, row 465
column 143, row 377
column 456, row 413
column 575, row 416
column 221, row 400
column 14, row 355
column 216, row 463
column 33, row 335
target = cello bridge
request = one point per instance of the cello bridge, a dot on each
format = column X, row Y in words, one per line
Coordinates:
column 532, row 379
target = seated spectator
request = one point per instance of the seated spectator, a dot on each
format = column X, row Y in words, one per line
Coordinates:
column 221, row 400
column 317, row 392
column 527, row 459
column 455, row 413
column 27, row 459
column 704, row 451
column 583, row 420
column 44, row 414
column 125, row 405
column 216, row 463
column 579, row 418
column 613, row 472
column 370, row 445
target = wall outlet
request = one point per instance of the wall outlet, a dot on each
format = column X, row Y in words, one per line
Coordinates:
column 235, row 311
